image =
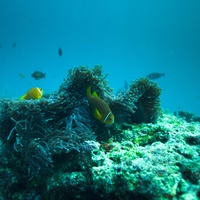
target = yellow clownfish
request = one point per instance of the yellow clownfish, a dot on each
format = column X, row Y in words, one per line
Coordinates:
column 33, row 93
column 99, row 107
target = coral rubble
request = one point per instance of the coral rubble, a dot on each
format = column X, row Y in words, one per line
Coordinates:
column 53, row 148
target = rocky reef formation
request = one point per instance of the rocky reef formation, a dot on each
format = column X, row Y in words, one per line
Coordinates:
column 53, row 148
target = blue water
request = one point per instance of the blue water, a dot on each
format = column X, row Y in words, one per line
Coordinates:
column 130, row 38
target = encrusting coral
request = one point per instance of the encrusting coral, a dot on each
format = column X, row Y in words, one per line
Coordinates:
column 36, row 133
column 187, row 116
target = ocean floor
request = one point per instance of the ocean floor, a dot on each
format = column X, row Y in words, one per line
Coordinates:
column 152, row 161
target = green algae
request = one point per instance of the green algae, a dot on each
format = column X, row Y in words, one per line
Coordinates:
column 156, row 170
column 143, row 134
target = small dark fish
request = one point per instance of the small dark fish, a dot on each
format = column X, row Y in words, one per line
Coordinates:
column 38, row 75
column 60, row 52
column 153, row 76
column 22, row 75
column 14, row 44
column 126, row 85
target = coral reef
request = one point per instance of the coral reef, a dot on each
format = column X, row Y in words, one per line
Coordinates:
column 53, row 147
column 187, row 116
column 171, row 168
column 132, row 168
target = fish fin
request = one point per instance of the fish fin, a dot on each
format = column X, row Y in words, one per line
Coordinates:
column 94, row 94
column 22, row 97
column 88, row 91
column 97, row 114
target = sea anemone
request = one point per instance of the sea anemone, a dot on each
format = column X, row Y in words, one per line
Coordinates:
column 38, row 130
column 80, row 77
column 148, row 100
column 139, row 104
column 41, row 129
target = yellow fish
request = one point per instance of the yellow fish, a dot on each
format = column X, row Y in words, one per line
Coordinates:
column 33, row 93
column 99, row 107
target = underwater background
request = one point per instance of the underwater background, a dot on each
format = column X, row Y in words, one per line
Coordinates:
column 130, row 39
column 66, row 134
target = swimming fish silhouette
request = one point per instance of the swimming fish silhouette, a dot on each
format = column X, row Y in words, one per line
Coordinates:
column 60, row 52
column 38, row 75
column 100, row 109
column 33, row 93
column 155, row 75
